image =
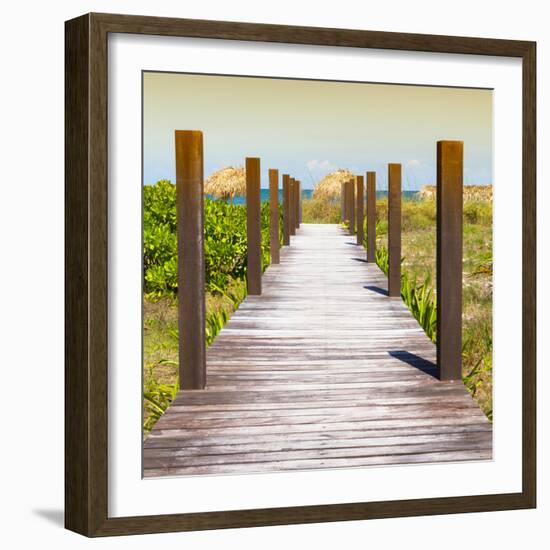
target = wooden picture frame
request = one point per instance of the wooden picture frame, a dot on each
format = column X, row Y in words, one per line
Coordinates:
column 86, row 284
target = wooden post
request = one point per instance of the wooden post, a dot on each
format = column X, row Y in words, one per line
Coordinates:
column 286, row 209
column 274, row 215
column 292, row 215
column 351, row 206
column 299, row 203
column 360, row 209
column 190, row 236
column 345, row 184
column 253, row 227
column 342, row 202
column 371, row 217
column 348, row 203
column 449, row 259
column 394, row 229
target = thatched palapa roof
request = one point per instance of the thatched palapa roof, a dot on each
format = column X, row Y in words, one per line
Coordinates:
column 226, row 183
column 330, row 187
column 470, row 192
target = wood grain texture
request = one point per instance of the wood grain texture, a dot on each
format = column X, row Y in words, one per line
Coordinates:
column 253, row 227
column 292, row 206
column 450, row 173
column 342, row 202
column 394, row 230
column 191, row 274
column 274, row 215
column 299, row 203
column 351, row 206
column 360, row 208
column 77, row 386
column 371, row 217
column 286, row 209
column 334, row 377
column 86, row 353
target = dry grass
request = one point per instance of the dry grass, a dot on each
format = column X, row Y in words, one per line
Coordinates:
column 226, row 183
column 317, row 210
column 471, row 192
column 330, row 187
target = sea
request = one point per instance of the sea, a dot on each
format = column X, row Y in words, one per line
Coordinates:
column 306, row 194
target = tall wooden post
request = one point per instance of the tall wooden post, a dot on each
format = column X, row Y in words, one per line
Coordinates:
column 342, row 202
column 346, row 192
column 394, row 229
column 286, row 209
column 190, row 235
column 299, row 203
column 360, row 208
column 371, row 217
column 348, row 202
column 292, row 216
column 449, row 259
column 274, row 215
column 351, row 206
column 253, row 227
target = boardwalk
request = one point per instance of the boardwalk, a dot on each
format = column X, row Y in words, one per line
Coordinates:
column 322, row 370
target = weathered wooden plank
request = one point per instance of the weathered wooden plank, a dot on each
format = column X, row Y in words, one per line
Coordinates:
column 228, row 468
column 375, row 414
column 321, row 396
column 196, row 421
column 273, row 445
column 173, row 460
column 189, row 440
column 357, row 425
column 258, row 407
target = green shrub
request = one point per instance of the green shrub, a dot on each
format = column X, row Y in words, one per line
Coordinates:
column 478, row 212
column 225, row 242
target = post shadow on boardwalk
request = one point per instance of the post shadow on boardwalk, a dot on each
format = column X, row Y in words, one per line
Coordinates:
column 376, row 289
column 429, row 367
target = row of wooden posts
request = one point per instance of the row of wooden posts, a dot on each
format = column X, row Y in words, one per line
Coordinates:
column 352, row 210
column 292, row 218
column 191, row 267
column 190, row 233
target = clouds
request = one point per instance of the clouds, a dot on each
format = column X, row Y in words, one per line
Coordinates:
column 413, row 163
column 320, row 166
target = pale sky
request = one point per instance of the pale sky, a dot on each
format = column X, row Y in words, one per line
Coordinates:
column 309, row 128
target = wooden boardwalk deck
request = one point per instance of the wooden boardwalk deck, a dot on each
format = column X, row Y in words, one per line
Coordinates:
column 322, row 370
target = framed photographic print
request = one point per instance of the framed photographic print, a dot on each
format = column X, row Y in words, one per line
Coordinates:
column 300, row 274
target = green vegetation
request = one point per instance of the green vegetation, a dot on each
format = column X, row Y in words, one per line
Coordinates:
column 224, row 241
column 418, row 276
column 225, row 265
column 318, row 210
